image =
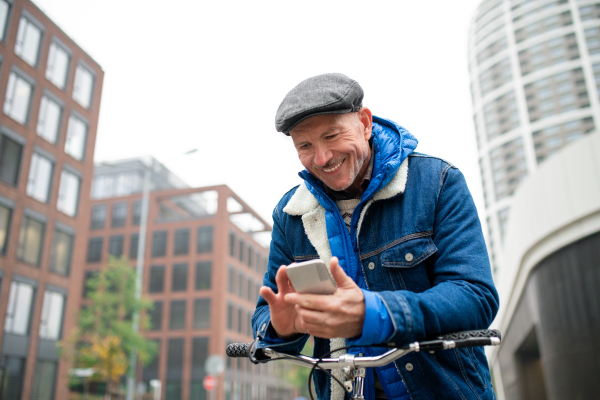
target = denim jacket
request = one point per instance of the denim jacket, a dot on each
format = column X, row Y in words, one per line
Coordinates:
column 416, row 242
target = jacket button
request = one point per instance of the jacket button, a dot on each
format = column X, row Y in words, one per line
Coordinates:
column 371, row 266
column 409, row 367
column 409, row 257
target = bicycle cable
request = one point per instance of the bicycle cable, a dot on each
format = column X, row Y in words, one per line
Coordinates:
column 316, row 365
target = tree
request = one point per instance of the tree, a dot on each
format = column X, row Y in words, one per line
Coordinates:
column 104, row 337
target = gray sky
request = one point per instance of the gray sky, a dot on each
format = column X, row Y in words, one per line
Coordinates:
column 210, row 74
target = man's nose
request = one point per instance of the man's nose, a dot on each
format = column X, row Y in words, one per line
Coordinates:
column 322, row 156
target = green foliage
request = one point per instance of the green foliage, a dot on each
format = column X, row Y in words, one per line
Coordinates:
column 108, row 317
column 298, row 375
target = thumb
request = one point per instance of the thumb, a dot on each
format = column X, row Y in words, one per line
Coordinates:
column 343, row 281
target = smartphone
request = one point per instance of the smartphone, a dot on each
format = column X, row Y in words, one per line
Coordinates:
column 311, row 277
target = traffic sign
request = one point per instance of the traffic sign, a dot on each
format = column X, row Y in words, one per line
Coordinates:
column 209, row 383
column 214, row 364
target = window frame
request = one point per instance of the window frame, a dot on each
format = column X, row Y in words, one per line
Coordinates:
column 7, row 107
column 25, row 15
column 29, row 215
column 61, row 46
column 59, row 228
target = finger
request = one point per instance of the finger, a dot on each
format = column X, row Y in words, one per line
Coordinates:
column 318, row 302
column 342, row 280
column 282, row 280
column 311, row 317
column 268, row 294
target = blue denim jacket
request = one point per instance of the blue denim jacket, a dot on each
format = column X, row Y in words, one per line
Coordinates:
column 416, row 241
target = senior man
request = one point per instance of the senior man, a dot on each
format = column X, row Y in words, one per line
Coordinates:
column 401, row 235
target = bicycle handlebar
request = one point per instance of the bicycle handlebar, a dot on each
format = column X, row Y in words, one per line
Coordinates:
column 485, row 337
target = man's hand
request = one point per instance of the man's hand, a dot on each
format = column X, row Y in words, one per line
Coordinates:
column 329, row 316
column 284, row 318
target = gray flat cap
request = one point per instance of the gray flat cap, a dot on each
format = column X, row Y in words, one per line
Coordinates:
column 322, row 94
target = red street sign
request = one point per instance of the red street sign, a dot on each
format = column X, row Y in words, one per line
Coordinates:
column 209, row 383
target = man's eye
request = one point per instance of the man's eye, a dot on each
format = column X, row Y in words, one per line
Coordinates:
column 329, row 137
column 304, row 146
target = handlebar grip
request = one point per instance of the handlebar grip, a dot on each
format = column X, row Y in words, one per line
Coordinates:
column 482, row 333
column 238, row 349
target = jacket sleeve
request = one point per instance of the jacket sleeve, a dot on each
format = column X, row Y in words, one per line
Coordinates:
column 462, row 296
column 279, row 254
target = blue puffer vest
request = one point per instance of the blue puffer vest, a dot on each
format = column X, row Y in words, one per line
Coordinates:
column 415, row 205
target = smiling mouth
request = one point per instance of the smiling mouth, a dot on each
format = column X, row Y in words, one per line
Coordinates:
column 334, row 167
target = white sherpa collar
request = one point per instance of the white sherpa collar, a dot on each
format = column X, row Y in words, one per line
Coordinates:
column 303, row 201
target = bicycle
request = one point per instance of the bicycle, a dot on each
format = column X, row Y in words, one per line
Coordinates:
column 354, row 366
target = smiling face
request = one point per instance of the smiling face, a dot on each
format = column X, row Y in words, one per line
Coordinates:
column 335, row 148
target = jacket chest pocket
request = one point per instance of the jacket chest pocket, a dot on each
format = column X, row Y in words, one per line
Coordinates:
column 406, row 263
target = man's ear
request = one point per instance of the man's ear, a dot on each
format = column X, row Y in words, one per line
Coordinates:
column 366, row 119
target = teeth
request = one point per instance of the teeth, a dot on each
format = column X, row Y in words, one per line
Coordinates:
column 334, row 167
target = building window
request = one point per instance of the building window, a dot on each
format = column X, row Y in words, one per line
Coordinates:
column 10, row 160
column 119, row 215
column 156, row 316
column 4, row 13
column 159, row 243
column 201, row 313
column 40, row 177
column 182, row 241
column 204, row 241
column 177, row 315
column 229, row 316
column 151, row 369
column 62, row 248
column 15, row 372
column 157, row 279
column 94, row 253
column 203, row 275
column 27, row 45
column 231, row 244
column 115, row 245
column 231, row 277
column 31, row 239
column 241, row 253
column 52, row 315
column 250, row 256
column 174, row 366
column 98, row 216
column 133, row 246
column 48, row 123
column 68, row 193
column 5, row 219
column 199, row 356
column 180, row 277
column 45, row 377
column 20, row 303
column 76, row 135
column 137, row 213
column 83, row 87
column 58, row 65
column 18, row 98
column 86, row 279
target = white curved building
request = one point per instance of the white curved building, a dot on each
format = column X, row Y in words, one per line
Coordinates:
column 550, row 283
column 535, row 71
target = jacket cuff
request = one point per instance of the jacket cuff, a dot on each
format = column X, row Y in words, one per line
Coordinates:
column 377, row 326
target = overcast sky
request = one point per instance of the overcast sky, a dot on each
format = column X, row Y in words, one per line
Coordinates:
column 210, row 75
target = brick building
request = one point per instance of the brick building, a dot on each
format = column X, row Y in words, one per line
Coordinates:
column 203, row 267
column 49, row 102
